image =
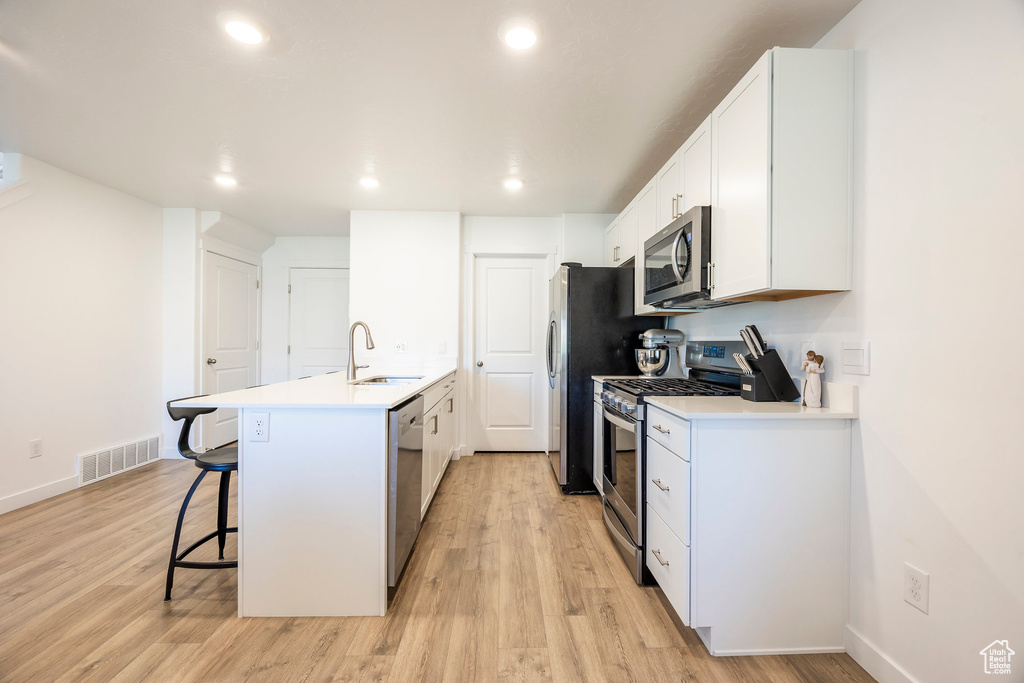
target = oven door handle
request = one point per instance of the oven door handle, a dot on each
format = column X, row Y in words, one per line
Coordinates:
column 622, row 423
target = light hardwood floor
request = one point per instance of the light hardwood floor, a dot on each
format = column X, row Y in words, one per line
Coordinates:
column 509, row 581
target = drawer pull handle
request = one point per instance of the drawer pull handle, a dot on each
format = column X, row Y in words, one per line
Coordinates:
column 657, row 554
column 657, row 482
column 662, row 429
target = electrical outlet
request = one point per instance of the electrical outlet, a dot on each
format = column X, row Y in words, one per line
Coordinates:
column 35, row 448
column 259, row 427
column 915, row 587
column 401, row 347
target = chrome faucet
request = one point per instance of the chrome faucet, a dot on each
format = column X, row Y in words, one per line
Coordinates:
column 352, row 367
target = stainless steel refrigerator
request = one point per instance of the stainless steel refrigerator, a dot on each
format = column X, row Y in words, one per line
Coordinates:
column 591, row 331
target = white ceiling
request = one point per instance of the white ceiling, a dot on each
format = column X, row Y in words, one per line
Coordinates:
column 152, row 98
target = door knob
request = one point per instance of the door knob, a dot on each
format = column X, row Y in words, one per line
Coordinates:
column 211, row 361
column 479, row 363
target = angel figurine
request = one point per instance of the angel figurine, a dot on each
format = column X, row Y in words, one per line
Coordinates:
column 814, row 368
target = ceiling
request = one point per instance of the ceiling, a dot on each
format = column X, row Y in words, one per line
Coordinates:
column 153, row 98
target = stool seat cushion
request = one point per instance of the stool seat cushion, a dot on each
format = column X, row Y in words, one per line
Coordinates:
column 219, row 459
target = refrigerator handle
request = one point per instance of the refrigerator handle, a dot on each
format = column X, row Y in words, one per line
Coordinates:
column 550, row 350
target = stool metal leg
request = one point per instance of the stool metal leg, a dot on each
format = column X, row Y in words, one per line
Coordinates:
column 177, row 534
column 222, row 511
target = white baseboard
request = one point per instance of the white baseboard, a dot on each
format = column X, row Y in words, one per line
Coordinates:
column 881, row 667
column 170, row 454
column 20, row 500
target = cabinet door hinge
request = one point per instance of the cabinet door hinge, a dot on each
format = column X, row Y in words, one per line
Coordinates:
column 289, row 349
column 257, row 344
column 257, row 284
column 289, row 289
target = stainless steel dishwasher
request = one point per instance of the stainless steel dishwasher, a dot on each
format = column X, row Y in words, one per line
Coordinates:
column 405, row 477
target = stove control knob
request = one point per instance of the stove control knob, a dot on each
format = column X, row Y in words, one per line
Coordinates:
column 629, row 408
column 617, row 402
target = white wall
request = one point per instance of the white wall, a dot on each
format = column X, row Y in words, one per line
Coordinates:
column 511, row 235
column 290, row 252
column 938, row 467
column 583, row 237
column 405, row 279
column 180, row 348
column 80, row 310
column 188, row 234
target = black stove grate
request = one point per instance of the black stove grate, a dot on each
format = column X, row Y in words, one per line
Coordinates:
column 671, row 386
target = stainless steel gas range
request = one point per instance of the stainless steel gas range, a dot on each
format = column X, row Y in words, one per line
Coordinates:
column 712, row 372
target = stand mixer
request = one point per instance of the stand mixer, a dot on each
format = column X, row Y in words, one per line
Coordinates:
column 659, row 356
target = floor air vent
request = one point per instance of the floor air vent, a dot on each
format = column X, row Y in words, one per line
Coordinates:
column 107, row 463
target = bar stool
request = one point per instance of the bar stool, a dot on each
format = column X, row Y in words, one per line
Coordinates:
column 223, row 460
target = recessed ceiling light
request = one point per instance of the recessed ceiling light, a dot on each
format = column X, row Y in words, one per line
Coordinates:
column 226, row 181
column 513, row 184
column 243, row 29
column 520, row 38
column 370, row 183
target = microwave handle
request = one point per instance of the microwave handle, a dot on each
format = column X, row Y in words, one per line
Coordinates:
column 675, row 262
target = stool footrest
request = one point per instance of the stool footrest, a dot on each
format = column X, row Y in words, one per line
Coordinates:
column 208, row 537
column 220, row 564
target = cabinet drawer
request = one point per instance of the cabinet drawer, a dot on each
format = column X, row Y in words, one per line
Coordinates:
column 670, row 431
column 670, row 496
column 672, row 570
column 436, row 391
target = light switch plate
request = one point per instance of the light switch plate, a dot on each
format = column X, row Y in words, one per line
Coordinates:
column 856, row 358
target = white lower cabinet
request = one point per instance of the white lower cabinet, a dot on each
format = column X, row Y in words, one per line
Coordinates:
column 440, row 437
column 668, row 558
column 668, row 488
column 747, row 529
column 598, row 475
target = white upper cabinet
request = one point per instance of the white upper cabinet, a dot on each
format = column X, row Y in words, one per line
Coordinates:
column 670, row 189
column 611, row 244
column 684, row 181
column 647, row 208
column 780, row 178
column 695, row 168
column 627, row 233
column 620, row 237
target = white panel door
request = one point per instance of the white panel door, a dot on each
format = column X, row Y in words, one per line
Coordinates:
column 229, row 358
column 317, row 321
column 511, row 374
column 741, row 172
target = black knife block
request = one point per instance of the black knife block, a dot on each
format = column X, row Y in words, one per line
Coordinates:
column 770, row 365
column 755, row 388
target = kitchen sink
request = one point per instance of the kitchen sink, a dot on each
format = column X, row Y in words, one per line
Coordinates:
column 390, row 379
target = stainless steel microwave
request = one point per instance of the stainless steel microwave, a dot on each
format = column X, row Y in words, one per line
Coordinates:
column 676, row 262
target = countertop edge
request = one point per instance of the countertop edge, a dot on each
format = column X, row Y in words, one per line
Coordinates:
column 748, row 411
column 239, row 399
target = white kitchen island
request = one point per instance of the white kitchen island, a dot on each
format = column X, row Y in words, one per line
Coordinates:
column 313, row 497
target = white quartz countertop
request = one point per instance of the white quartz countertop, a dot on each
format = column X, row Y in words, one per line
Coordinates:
column 327, row 391
column 734, row 407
